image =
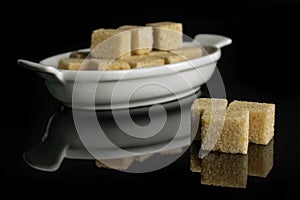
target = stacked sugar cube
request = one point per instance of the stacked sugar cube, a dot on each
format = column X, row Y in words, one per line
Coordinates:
column 230, row 129
column 130, row 47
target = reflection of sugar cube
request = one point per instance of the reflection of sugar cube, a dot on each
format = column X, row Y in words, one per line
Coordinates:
column 118, row 163
column 141, row 38
column 262, row 119
column 110, row 43
column 142, row 158
column 225, row 131
column 260, row 158
column 195, row 165
column 226, row 170
column 167, row 35
column 171, row 151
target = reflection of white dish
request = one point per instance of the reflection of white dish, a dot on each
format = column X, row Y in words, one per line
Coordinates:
column 82, row 153
column 62, row 139
column 164, row 83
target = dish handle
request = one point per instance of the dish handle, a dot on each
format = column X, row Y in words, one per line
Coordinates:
column 45, row 157
column 42, row 69
column 212, row 40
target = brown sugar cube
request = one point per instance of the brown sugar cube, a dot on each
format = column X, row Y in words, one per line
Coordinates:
column 141, row 38
column 160, row 54
column 171, row 151
column 260, row 159
column 167, row 35
column 225, row 131
column 110, row 43
column 133, row 60
column 183, row 54
column 79, row 54
column 76, row 64
column 167, row 56
column 147, row 62
column 120, row 65
column 109, row 64
column 144, row 61
column 188, row 53
column 212, row 104
column 195, row 122
column 134, row 57
column 202, row 104
column 262, row 119
column 101, row 164
column 225, row 170
column 70, row 63
column 174, row 59
column 212, row 124
column 118, row 163
column 142, row 158
column 195, row 162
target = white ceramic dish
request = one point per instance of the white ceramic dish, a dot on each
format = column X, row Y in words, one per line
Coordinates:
column 130, row 88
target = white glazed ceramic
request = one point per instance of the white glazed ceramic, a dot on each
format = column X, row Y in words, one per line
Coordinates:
column 140, row 87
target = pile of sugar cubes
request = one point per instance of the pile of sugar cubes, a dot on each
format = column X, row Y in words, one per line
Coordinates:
column 229, row 129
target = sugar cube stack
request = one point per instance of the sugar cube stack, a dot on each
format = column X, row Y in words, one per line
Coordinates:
column 157, row 43
column 230, row 130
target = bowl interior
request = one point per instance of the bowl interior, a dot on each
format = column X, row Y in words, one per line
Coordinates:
column 54, row 60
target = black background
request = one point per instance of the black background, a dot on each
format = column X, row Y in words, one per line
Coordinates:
column 260, row 65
